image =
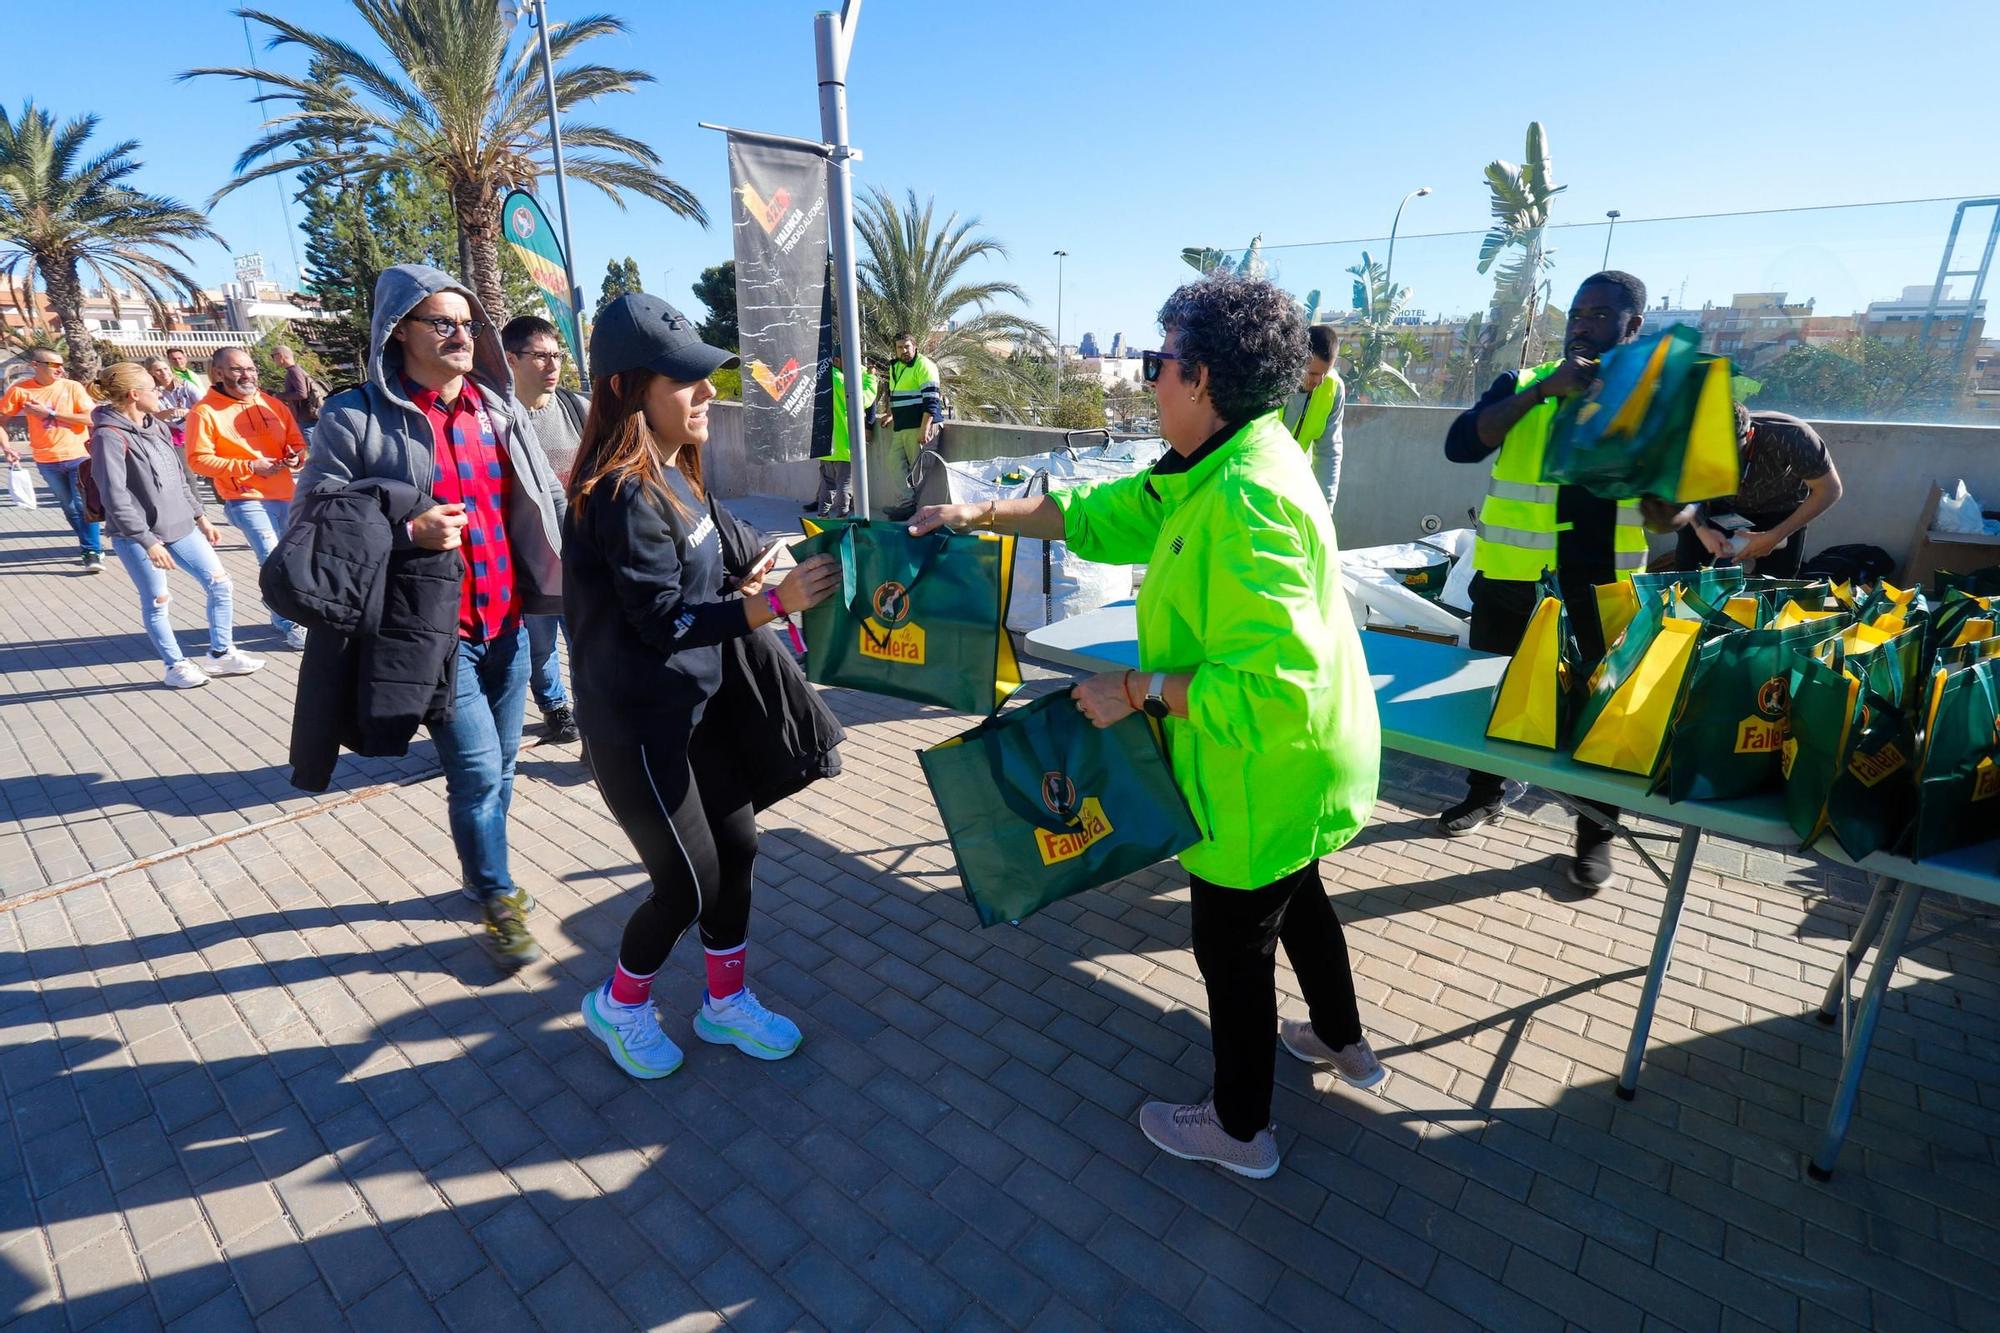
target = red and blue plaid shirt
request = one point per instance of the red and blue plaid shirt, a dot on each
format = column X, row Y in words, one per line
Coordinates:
column 472, row 471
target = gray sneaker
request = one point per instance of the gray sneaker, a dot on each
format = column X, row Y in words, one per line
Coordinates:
column 1356, row 1064
column 1193, row 1134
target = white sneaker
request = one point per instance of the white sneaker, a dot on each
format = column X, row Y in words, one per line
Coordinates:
column 632, row 1035
column 185, row 675
column 295, row 637
column 742, row 1022
column 235, row 662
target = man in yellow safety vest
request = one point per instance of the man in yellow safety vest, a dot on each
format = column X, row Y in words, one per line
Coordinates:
column 836, row 463
column 916, row 405
column 1526, row 526
column 1312, row 414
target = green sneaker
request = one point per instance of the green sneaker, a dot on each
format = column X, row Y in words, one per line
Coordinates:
column 507, row 935
column 520, row 899
column 632, row 1035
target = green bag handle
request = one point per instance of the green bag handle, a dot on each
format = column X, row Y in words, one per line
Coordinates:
column 1013, row 734
column 852, row 592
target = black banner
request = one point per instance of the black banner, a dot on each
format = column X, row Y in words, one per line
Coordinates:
column 782, row 306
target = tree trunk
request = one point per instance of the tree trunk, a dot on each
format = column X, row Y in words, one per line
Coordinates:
column 478, row 209
column 65, row 289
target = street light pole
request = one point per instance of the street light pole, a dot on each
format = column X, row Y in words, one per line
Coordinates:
column 541, row 22
column 1060, row 255
column 1389, row 269
column 833, row 41
column 1610, row 227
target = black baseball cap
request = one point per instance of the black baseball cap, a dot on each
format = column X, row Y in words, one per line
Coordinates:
column 640, row 331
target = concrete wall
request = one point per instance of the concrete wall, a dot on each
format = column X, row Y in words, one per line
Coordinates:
column 1395, row 475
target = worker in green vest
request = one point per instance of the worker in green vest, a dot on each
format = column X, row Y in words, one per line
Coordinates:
column 1313, row 413
column 836, row 464
column 916, row 406
column 1526, row 526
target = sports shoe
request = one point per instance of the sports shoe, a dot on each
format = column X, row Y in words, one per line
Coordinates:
column 1193, row 1134
column 185, row 675
column 1590, row 870
column 235, row 662
column 811, row 507
column 295, row 637
column 559, row 726
column 742, row 1022
column 632, row 1034
column 520, row 899
column 1355, row 1064
column 1471, row 813
column 507, row 935
column 93, row 563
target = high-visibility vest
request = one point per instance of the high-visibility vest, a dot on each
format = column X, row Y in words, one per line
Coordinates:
column 907, row 382
column 1518, row 526
column 1319, row 410
column 839, row 450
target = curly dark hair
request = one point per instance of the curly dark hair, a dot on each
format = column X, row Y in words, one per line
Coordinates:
column 1249, row 334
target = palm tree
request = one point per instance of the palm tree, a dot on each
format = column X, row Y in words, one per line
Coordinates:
column 453, row 101
column 1374, row 352
column 62, row 217
column 912, row 280
column 1521, row 198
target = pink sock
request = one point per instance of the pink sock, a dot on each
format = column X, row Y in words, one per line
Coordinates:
column 725, row 972
column 629, row 990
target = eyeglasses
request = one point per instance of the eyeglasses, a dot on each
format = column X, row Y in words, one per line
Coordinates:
column 546, row 358
column 1152, row 363
column 444, row 328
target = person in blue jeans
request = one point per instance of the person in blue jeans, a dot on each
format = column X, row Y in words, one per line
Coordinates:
column 57, row 411
column 156, row 523
column 262, row 522
column 438, row 412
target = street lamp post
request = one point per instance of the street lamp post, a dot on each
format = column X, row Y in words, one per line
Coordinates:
column 1609, row 228
column 1060, row 255
column 1389, row 269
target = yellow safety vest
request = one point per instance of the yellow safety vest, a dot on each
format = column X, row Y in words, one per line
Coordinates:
column 1517, row 520
column 1318, row 411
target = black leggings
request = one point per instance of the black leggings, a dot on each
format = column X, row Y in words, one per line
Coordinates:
column 1236, row 936
column 699, row 859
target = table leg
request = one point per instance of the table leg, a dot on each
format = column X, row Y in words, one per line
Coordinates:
column 1855, row 1057
column 1842, row 984
column 1656, row 972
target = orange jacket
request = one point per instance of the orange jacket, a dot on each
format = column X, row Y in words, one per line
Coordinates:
column 226, row 437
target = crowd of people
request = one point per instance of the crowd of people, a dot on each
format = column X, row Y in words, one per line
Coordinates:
column 496, row 513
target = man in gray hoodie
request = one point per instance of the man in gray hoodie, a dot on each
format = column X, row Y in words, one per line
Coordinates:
column 438, row 411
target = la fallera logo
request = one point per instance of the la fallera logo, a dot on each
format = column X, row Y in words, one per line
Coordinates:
column 1058, row 794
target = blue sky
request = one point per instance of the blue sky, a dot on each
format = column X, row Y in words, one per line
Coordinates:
column 1123, row 132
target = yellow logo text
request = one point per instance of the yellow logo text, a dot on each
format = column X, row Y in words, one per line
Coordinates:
column 1092, row 827
column 1985, row 780
column 904, row 645
column 1756, row 735
column 1870, row 769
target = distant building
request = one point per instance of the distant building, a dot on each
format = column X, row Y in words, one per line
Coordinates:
column 1960, row 323
column 1117, row 346
column 235, row 312
column 1088, row 347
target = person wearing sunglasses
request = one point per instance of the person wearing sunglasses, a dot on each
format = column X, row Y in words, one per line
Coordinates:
column 247, row 443
column 58, row 414
column 1250, row 661
column 437, row 413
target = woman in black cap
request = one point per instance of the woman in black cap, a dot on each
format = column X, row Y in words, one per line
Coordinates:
column 648, row 607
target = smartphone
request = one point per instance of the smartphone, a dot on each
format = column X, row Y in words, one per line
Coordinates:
column 1731, row 523
column 761, row 565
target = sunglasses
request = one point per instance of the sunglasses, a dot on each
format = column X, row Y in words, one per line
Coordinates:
column 50, row 365
column 1152, row 363
column 444, row 328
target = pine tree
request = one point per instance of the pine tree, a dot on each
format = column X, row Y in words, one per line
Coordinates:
column 618, row 280
column 716, row 289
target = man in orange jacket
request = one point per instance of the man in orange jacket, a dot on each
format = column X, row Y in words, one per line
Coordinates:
column 248, row 444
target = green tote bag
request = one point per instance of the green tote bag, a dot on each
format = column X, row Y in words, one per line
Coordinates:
column 1040, row 804
column 1960, row 777
column 920, row 618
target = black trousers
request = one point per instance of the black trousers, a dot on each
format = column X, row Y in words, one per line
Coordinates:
column 1236, row 935
column 1501, row 610
column 700, row 859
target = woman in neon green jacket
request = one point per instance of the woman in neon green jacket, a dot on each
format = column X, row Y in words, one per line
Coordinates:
column 1248, row 654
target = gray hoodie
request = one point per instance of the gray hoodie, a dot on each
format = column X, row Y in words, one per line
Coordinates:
column 374, row 430
column 145, row 489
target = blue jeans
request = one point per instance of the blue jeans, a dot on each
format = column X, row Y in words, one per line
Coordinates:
column 477, row 748
column 544, row 670
column 193, row 554
column 260, row 522
column 61, row 478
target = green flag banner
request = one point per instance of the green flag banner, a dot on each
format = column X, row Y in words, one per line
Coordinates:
column 527, row 229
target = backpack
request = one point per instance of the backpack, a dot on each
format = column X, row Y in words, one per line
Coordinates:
column 1852, row 563
column 315, row 400
column 86, row 486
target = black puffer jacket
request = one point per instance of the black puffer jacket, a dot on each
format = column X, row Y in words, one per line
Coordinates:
column 383, row 620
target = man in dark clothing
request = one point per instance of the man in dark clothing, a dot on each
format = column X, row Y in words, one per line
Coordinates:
column 1526, row 526
column 297, row 391
column 1788, row 481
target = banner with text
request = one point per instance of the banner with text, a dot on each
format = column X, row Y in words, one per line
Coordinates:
column 783, row 313
column 527, row 229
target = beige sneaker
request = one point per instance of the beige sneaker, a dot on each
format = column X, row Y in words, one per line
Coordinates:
column 1193, row 1134
column 1356, row 1064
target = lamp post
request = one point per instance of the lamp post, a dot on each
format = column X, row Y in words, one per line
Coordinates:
column 1389, row 269
column 1609, row 228
column 1060, row 255
column 537, row 14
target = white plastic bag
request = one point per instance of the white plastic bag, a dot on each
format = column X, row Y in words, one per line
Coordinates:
column 21, row 485
column 1958, row 511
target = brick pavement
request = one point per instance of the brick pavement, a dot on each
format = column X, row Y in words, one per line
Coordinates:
column 275, row 1082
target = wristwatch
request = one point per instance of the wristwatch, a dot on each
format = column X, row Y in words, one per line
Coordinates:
column 1156, row 697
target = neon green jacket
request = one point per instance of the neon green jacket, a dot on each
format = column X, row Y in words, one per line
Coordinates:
column 838, row 448
column 1280, row 752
